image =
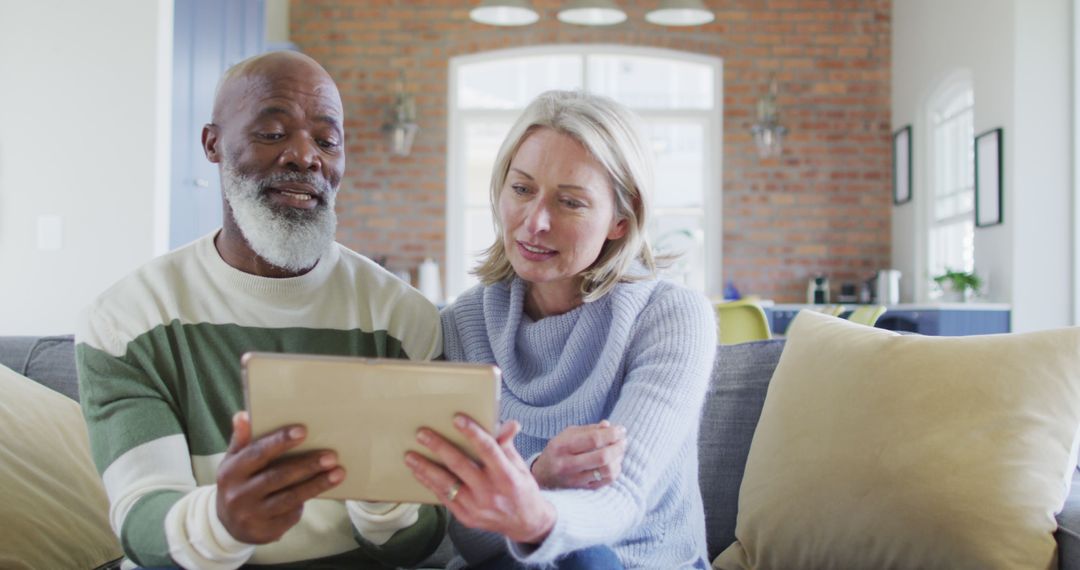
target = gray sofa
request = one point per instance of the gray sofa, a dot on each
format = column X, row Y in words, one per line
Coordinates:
column 740, row 378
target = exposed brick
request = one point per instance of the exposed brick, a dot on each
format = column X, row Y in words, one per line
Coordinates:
column 824, row 207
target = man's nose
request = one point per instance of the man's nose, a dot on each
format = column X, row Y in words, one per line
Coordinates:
column 301, row 154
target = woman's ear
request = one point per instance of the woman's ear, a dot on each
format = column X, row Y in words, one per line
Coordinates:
column 618, row 229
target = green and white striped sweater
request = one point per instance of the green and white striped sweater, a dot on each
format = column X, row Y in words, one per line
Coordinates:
column 159, row 369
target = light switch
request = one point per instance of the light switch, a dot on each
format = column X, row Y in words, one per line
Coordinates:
column 50, row 232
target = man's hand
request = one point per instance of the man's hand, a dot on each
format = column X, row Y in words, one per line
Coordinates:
column 582, row 457
column 260, row 495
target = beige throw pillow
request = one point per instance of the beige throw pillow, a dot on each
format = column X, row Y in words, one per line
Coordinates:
column 53, row 507
column 877, row 450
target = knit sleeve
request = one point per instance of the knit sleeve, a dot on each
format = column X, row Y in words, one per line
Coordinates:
column 669, row 360
column 463, row 325
column 155, row 507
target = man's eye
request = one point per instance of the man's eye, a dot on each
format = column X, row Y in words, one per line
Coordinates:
column 328, row 144
column 271, row 136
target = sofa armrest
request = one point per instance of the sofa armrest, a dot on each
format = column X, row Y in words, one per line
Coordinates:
column 1068, row 533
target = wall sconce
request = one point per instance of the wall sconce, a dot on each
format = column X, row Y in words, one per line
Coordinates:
column 401, row 129
column 768, row 132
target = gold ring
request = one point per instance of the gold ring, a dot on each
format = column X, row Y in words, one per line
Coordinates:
column 452, row 493
column 597, row 476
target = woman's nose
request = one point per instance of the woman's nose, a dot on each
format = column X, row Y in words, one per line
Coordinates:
column 538, row 219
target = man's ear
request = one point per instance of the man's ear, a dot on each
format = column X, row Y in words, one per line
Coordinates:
column 211, row 142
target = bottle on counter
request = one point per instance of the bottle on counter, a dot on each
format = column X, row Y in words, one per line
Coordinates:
column 817, row 290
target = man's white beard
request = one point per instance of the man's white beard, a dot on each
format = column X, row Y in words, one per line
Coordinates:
column 290, row 238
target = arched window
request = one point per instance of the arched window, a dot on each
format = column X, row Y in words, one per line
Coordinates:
column 951, row 216
column 678, row 95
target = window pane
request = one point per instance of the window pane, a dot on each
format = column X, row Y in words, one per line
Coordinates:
column 651, row 83
column 679, row 148
column 482, row 140
column 479, row 235
column 682, row 234
column 952, row 231
column 513, row 83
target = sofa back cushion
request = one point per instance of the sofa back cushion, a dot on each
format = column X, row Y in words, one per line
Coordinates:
column 51, row 362
column 52, row 502
column 13, row 351
column 740, row 378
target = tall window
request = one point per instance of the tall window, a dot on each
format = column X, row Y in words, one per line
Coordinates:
column 952, row 179
column 676, row 94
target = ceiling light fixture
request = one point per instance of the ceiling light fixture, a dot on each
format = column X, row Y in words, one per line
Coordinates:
column 504, row 13
column 591, row 13
column 680, row 13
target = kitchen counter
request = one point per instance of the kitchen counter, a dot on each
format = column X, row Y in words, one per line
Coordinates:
column 938, row 319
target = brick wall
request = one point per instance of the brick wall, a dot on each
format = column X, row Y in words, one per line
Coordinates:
column 824, row 206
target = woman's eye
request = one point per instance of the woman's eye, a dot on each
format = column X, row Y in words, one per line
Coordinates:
column 519, row 189
column 573, row 204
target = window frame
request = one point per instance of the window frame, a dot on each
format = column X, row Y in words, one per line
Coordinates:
column 947, row 89
column 456, row 201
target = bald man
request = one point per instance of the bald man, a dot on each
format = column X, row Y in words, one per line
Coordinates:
column 159, row 352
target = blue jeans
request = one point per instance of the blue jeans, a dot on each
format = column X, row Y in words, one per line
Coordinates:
column 593, row 558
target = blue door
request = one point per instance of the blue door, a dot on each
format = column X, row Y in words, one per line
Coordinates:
column 209, row 36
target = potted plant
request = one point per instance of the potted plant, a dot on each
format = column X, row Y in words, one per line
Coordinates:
column 958, row 285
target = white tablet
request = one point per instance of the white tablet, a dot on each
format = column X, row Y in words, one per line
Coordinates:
column 368, row 411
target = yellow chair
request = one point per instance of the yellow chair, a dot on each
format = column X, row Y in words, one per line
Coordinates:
column 741, row 321
column 831, row 310
column 867, row 314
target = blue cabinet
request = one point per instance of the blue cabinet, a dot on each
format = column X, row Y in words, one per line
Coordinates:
column 934, row 320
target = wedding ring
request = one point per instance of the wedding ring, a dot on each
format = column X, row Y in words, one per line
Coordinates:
column 597, row 476
column 452, row 493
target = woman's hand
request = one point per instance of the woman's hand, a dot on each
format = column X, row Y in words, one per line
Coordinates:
column 582, row 457
column 496, row 493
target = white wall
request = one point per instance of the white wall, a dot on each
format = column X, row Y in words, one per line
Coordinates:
column 84, row 136
column 1018, row 54
column 1041, row 202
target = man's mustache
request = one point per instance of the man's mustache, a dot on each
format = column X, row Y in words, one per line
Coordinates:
column 320, row 184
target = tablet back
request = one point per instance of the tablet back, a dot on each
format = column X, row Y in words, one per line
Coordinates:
column 368, row 411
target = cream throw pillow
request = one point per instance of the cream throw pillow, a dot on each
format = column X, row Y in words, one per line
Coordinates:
column 877, row 450
column 53, row 507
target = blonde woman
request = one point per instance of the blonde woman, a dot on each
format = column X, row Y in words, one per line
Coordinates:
column 605, row 366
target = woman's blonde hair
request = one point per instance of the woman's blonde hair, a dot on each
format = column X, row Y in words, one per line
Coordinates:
column 610, row 133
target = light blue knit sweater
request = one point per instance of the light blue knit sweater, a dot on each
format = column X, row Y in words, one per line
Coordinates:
column 641, row 357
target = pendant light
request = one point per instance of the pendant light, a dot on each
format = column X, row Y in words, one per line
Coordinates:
column 680, row 13
column 591, row 13
column 504, row 13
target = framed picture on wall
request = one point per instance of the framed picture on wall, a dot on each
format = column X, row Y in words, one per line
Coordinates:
column 901, row 162
column 988, row 165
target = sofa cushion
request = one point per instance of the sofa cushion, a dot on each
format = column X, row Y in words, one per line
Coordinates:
column 876, row 450
column 51, row 362
column 13, row 351
column 52, row 501
column 740, row 377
